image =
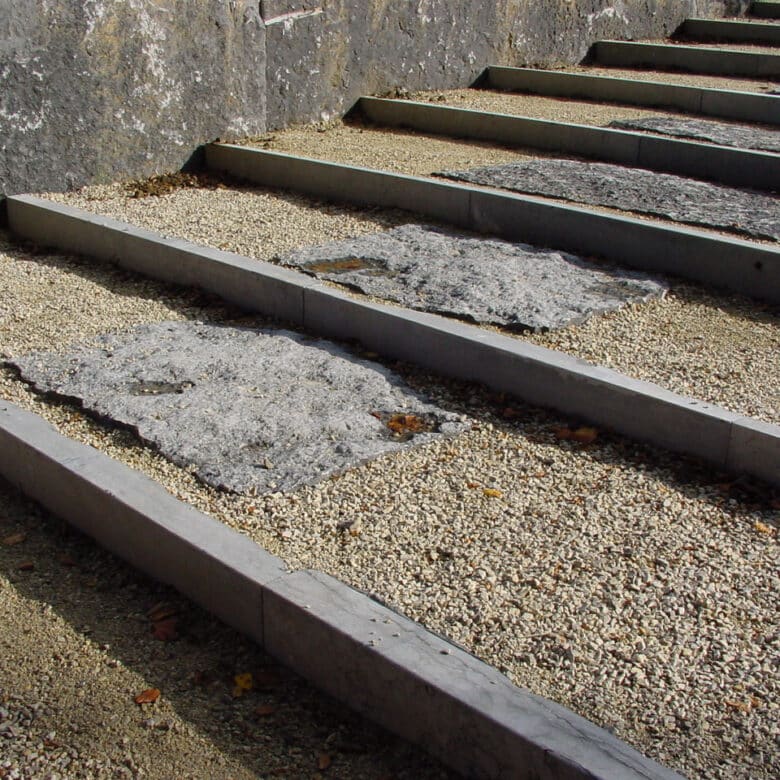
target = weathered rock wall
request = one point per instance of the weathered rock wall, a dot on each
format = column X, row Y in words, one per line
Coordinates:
column 94, row 90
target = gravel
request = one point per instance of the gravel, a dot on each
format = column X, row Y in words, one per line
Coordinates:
column 670, row 197
column 631, row 585
column 77, row 647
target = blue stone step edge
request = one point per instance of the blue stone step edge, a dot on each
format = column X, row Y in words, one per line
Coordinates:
column 381, row 664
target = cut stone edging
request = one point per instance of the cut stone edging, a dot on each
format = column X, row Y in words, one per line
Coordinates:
column 731, row 30
column 729, row 263
column 637, row 409
column 722, row 103
column 723, row 164
column 380, row 663
column 697, row 59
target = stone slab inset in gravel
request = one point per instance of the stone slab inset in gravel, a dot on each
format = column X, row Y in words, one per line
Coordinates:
column 634, row 189
column 478, row 279
column 722, row 133
column 247, row 410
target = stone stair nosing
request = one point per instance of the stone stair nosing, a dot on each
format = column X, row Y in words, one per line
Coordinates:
column 730, row 30
column 636, row 409
column 697, row 59
column 720, row 103
column 765, row 9
column 725, row 165
column 376, row 661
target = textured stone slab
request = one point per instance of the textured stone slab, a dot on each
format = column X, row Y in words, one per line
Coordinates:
column 635, row 189
column 247, row 409
column 478, row 279
column 722, row 133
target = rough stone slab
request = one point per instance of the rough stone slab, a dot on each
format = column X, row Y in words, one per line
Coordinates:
column 477, row 279
column 434, row 693
column 247, row 410
column 703, row 130
column 634, row 189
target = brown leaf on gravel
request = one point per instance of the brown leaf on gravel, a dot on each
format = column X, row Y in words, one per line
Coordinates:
column 161, row 611
column 737, row 705
column 14, row 539
column 165, row 630
column 763, row 528
column 149, row 696
column 492, row 493
column 26, row 566
column 67, row 560
column 585, row 435
column 324, row 761
column 264, row 710
column 509, row 413
column 242, row 683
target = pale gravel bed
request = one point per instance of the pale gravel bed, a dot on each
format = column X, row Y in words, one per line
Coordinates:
column 628, row 584
column 77, row 648
column 724, row 349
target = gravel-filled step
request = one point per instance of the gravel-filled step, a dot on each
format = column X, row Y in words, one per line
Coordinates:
column 248, row 410
column 479, row 279
column 633, row 189
column 723, row 133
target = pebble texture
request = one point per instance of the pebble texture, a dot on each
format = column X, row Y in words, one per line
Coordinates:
column 246, row 410
column 633, row 189
column 628, row 584
column 479, row 279
column 723, row 133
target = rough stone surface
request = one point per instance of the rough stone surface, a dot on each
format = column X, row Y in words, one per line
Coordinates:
column 478, row 279
column 635, row 189
column 102, row 90
column 98, row 90
column 246, row 410
column 723, row 133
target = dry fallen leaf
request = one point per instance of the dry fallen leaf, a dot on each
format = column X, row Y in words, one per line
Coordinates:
column 242, row 684
column 737, row 705
column 492, row 493
column 26, row 566
column 762, row 528
column 585, row 435
column 562, row 434
column 14, row 539
column 406, row 423
column 161, row 611
column 324, row 761
column 165, row 630
column 264, row 710
column 149, row 696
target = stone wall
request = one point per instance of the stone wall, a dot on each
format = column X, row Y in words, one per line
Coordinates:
column 95, row 90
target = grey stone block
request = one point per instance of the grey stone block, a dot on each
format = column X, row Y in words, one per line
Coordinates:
column 432, row 692
column 477, row 279
column 131, row 515
column 247, row 410
column 754, row 448
column 671, row 197
column 721, row 133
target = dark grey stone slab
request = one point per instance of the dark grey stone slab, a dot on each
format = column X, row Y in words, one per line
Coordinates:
column 723, row 133
column 478, row 279
column 247, row 410
column 635, row 189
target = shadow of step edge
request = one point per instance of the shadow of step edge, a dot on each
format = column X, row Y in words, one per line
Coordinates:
column 378, row 662
column 696, row 59
column 728, row 263
column 639, row 410
column 721, row 103
column 730, row 30
column 765, row 9
column 726, row 165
